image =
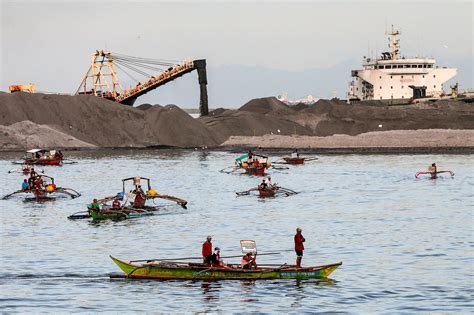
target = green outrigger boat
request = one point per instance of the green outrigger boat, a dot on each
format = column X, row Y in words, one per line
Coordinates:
column 128, row 205
column 192, row 271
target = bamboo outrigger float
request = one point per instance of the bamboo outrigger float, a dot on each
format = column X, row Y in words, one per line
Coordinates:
column 126, row 205
column 191, row 271
column 43, row 188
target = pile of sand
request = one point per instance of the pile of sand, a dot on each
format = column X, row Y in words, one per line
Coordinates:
column 78, row 121
column 435, row 138
column 27, row 135
column 246, row 123
column 104, row 123
column 265, row 105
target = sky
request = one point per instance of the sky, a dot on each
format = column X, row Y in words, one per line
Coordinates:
column 50, row 43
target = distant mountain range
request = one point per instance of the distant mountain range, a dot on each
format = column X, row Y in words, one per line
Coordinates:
column 233, row 85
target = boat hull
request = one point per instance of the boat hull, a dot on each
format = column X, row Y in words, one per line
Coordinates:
column 294, row 161
column 264, row 193
column 207, row 273
column 52, row 162
column 258, row 171
column 119, row 214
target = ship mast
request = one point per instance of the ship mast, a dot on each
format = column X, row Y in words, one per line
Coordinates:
column 394, row 42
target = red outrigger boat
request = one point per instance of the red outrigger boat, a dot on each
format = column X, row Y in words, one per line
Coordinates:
column 294, row 161
column 42, row 157
column 263, row 193
column 258, row 170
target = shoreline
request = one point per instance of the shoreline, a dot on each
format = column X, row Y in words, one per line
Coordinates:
column 281, row 150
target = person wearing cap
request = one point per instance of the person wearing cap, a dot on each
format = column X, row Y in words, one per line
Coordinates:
column 433, row 169
column 25, row 185
column 116, row 204
column 299, row 247
column 248, row 261
column 95, row 205
column 207, row 251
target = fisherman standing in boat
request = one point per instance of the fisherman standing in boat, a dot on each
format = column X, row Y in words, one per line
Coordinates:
column 295, row 154
column 299, row 247
column 207, row 251
column 268, row 182
column 433, row 169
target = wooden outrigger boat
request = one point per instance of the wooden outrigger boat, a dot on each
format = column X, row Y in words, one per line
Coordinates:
column 268, row 190
column 294, row 160
column 126, row 205
column 43, row 188
column 191, row 271
column 26, row 169
column 432, row 175
column 42, row 157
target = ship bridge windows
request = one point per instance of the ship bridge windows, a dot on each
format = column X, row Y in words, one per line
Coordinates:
column 420, row 66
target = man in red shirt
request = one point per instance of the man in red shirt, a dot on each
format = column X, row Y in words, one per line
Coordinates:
column 207, row 251
column 299, row 247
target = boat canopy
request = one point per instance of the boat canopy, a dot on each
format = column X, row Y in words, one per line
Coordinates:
column 240, row 158
column 35, row 150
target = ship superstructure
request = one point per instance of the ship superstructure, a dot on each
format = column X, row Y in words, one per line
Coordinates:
column 396, row 78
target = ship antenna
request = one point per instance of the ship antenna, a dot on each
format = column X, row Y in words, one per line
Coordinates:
column 394, row 42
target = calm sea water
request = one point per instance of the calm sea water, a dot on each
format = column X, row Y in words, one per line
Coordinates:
column 406, row 245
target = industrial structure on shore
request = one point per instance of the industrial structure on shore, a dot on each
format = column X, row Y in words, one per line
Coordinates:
column 396, row 78
column 101, row 79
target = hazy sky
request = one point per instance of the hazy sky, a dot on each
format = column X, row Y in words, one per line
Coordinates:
column 50, row 42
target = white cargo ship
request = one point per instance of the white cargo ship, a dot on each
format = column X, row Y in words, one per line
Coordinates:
column 395, row 78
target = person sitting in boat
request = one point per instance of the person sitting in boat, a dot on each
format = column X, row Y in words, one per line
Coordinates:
column 207, row 251
column 256, row 163
column 140, row 197
column 249, row 261
column 263, row 185
column 25, row 185
column 433, row 169
column 250, row 158
column 95, row 205
column 295, row 154
column 268, row 182
column 38, row 182
column 116, row 205
column 216, row 258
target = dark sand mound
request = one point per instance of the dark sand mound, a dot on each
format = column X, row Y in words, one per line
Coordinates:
column 172, row 125
column 265, row 105
column 329, row 117
column 27, row 135
column 340, row 118
column 103, row 123
column 89, row 120
column 245, row 123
